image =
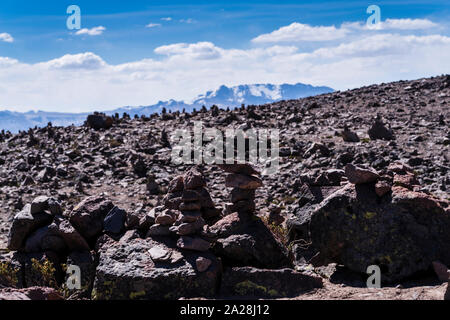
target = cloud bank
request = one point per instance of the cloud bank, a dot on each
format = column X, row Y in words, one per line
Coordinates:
column 350, row 58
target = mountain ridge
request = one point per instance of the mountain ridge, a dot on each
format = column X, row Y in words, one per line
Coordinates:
column 223, row 97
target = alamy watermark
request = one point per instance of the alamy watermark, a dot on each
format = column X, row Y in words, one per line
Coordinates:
column 212, row 146
column 374, row 20
column 374, row 280
column 74, row 20
column 73, row 281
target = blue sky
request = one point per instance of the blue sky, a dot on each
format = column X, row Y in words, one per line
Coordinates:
column 224, row 42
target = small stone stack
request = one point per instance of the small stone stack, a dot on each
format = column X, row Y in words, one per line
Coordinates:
column 188, row 195
column 244, row 183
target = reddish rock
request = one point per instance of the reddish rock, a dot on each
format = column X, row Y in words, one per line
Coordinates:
column 408, row 180
column 358, row 175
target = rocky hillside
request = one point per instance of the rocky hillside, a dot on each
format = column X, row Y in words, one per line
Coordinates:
column 364, row 180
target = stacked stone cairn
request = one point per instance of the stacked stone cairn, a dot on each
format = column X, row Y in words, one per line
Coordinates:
column 242, row 178
column 188, row 205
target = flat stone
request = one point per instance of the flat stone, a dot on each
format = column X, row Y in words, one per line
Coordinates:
column 167, row 218
column 186, row 229
column 189, row 216
column 242, row 181
column 159, row 253
column 358, row 175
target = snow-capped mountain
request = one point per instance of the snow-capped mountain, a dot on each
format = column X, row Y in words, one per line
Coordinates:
column 223, row 97
column 258, row 94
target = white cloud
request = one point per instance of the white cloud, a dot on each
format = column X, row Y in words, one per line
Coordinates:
column 199, row 50
column 86, row 61
column 407, row 24
column 167, row 19
column 302, row 32
column 153, row 25
column 96, row 31
column 6, row 37
column 84, row 82
column 297, row 32
column 392, row 24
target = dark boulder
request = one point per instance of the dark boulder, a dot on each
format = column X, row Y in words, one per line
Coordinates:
column 248, row 242
column 99, row 121
column 114, row 222
column 152, row 269
column 403, row 233
column 252, row 283
column 88, row 216
column 24, row 223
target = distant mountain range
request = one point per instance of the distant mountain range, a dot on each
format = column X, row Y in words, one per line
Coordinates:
column 223, row 97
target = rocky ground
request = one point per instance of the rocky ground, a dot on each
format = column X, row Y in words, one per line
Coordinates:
column 363, row 180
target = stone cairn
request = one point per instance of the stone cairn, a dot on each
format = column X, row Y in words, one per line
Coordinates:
column 188, row 205
column 242, row 178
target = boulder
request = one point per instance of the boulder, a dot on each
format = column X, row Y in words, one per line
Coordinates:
column 378, row 131
column 403, row 233
column 88, row 216
column 253, row 283
column 73, row 240
column 99, row 121
column 114, row 222
column 349, row 136
column 126, row 270
column 24, row 223
column 251, row 243
column 358, row 175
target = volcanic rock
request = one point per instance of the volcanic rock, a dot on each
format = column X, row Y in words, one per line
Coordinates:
column 253, row 283
column 25, row 223
column 126, row 270
column 359, row 175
